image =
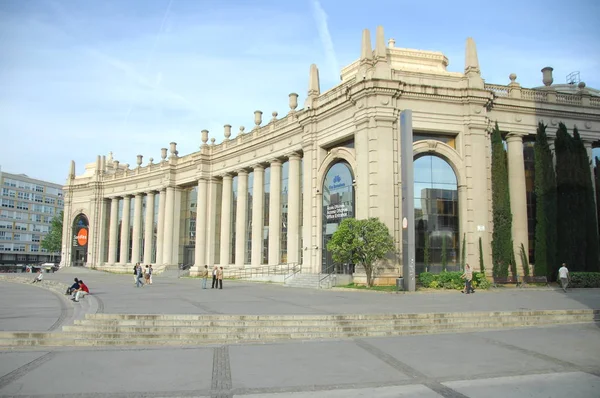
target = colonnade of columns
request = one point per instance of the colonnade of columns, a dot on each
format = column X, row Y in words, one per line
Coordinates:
column 140, row 228
column 206, row 223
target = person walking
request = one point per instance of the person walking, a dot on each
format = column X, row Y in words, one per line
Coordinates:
column 139, row 275
column 214, row 275
column 204, row 276
column 150, row 270
column 468, row 277
column 135, row 272
column 220, row 277
column 564, row 276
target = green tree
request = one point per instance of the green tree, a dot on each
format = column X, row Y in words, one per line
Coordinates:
column 463, row 256
column 592, row 249
column 361, row 242
column 524, row 260
column 52, row 242
column 571, row 202
column 502, row 243
column 426, row 253
column 481, row 265
column 545, row 217
column 444, row 254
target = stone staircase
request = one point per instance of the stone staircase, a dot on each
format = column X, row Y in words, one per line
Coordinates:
column 310, row 281
column 180, row 330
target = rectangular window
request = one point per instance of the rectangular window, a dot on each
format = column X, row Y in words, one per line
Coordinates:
column 60, row 202
column 19, row 248
column 5, row 191
column 39, row 188
column 8, row 203
column 37, row 208
column 38, row 198
column 35, row 238
column 34, row 248
column 22, row 205
column 4, row 235
column 448, row 139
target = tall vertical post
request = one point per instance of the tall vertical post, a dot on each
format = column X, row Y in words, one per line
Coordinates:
column 275, row 213
column 258, row 200
column 408, row 205
column 160, row 226
column 167, row 253
column 149, row 228
column 240, row 220
column 136, row 241
column 124, row 252
column 200, row 249
column 226, row 200
column 293, row 231
column 113, row 232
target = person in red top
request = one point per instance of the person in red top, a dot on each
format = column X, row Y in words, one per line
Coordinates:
column 82, row 291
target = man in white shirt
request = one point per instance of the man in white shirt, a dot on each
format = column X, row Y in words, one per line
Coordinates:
column 565, row 278
column 39, row 277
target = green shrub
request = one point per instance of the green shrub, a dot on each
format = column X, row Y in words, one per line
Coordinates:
column 480, row 281
column 585, row 279
column 425, row 279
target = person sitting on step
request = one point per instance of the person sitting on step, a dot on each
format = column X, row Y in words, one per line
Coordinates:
column 73, row 287
column 80, row 292
column 39, row 277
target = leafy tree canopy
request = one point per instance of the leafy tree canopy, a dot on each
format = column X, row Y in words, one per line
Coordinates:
column 361, row 242
column 52, row 241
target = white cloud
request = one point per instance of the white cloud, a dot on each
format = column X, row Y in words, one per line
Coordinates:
column 320, row 17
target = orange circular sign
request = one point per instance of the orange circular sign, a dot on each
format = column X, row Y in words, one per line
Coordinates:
column 82, row 237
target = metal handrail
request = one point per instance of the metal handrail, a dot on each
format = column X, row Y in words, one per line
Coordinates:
column 245, row 273
column 296, row 268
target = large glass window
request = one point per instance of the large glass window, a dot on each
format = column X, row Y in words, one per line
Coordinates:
column 266, row 203
column 436, row 215
column 338, row 204
column 285, row 172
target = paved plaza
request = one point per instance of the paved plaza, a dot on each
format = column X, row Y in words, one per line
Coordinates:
column 530, row 362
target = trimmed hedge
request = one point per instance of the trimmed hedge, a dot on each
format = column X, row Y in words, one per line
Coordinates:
column 585, row 279
column 451, row 280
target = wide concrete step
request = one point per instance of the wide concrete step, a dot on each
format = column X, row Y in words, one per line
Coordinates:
column 107, row 324
column 124, row 330
column 318, row 327
column 124, row 339
column 336, row 317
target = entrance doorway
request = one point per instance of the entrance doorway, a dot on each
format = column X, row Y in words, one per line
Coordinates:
column 79, row 241
column 338, row 204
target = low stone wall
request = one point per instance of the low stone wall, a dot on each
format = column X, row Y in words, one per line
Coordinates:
column 55, row 286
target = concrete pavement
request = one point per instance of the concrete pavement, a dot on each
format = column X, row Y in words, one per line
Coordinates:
column 534, row 362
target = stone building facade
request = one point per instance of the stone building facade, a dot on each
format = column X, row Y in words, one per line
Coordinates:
column 275, row 193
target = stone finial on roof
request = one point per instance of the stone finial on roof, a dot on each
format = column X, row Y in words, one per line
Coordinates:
column 366, row 53
column 391, row 43
column 72, row 169
column 380, row 49
column 314, row 87
column 227, row 131
column 471, row 59
column 204, row 136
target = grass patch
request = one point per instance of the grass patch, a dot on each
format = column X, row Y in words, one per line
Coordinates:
column 391, row 288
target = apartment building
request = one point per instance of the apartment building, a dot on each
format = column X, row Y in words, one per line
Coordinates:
column 27, row 207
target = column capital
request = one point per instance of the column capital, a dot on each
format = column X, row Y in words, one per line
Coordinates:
column 294, row 156
column 202, row 178
column 276, row 162
column 514, row 137
column 227, row 176
column 258, row 167
column 242, row 172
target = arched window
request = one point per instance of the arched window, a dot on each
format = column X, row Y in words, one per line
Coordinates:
column 437, row 237
column 338, row 204
column 80, row 240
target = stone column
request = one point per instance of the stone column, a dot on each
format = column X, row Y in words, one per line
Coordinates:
column 518, row 198
column 240, row 220
column 258, row 196
column 293, row 230
column 308, row 222
column 211, row 228
column 275, row 213
column 148, row 228
column 200, row 249
column 160, row 226
column 137, row 228
column 113, row 232
column 124, row 253
column 225, row 255
column 167, row 254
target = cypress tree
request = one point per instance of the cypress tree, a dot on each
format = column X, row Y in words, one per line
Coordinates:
column 589, row 211
column 545, row 191
column 502, row 243
column 481, row 265
column 597, row 174
column 570, row 189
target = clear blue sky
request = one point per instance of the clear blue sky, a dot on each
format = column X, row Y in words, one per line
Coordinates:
column 82, row 78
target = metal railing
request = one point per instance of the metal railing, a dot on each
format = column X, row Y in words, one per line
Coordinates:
column 287, row 269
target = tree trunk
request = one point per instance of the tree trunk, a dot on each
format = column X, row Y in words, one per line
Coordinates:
column 369, row 272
